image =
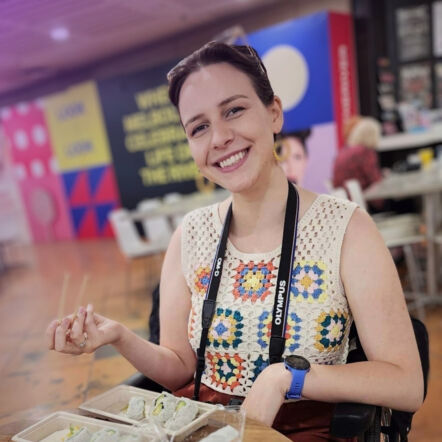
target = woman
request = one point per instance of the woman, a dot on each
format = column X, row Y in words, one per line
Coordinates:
column 294, row 155
column 358, row 159
column 340, row 270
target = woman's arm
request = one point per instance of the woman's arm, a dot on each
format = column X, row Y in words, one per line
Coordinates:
column 173, row 363
column 392, row 376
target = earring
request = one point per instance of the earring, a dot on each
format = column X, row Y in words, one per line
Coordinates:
column 278, row 153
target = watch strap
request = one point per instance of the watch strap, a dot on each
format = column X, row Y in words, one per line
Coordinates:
column 297, row 383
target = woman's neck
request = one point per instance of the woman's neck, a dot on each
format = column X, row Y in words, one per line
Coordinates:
column 258, row 215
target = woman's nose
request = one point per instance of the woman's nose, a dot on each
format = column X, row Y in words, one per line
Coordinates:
column 222, row 135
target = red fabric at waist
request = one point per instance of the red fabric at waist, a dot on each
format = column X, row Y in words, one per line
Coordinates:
column 303, row 421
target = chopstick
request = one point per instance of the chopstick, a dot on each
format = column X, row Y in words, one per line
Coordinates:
column 62, row 300
column 81, row 294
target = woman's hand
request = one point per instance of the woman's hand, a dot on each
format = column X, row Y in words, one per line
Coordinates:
column 267, row 394
column 82, row 334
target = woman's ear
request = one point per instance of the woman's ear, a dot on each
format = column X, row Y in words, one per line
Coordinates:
column 277, row 115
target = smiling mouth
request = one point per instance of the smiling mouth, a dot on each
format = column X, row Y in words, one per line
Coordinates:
column 233, row 159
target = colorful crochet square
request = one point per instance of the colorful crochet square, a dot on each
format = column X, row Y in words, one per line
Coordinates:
column 264, row 328
column 293, row 330
column 202, row 277
column 292, row 335
column 225, row 370
column 252, row 281
column 225, row 330
column 260, row 363
column 331, row 330
column 308, row 281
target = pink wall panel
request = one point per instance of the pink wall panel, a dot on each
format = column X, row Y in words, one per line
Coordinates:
column 36, row 171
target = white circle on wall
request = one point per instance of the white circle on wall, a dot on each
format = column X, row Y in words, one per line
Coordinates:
column 288, row 74
column 53, row 165
column 20, row 171
column 39, row 135
column 22, row 108
column 5, row 113
column 37, row 169
column 21, row 139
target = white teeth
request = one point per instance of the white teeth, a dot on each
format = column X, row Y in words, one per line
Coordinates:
column 233, row 159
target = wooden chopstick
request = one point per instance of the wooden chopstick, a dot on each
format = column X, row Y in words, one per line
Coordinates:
column 62, row 300
column 80, row 296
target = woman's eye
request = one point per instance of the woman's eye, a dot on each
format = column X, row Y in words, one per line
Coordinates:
column 235, row 110
column 198, row 129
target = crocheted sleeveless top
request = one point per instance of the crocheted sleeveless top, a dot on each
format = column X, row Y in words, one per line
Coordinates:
column 318, row 320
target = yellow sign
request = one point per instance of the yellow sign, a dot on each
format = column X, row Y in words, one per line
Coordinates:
column 77, row 127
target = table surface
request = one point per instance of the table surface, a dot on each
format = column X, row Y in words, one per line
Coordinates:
column 399, row 141
column 13, row 424
column 180, row 207
column 409, row 184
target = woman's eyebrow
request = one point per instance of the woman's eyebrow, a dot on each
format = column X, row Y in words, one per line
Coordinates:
column 221, row 104
column 230, row 99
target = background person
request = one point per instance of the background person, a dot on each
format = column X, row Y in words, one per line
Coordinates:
column 341, row 270
column 358, row 159
column 294, row 154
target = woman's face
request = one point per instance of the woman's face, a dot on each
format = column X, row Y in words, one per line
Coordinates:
column 230, row 131
column 296, row 159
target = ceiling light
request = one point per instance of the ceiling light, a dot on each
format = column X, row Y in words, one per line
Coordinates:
column 60, row 34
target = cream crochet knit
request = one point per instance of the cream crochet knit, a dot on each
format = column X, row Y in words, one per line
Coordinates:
column 319, row 318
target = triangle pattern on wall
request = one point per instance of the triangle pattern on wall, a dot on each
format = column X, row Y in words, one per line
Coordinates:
column 95, row 176
column 88, row 227
column 80, row 194
column 102, row 212
column 78, row 214
column 105, row 190
column 69, row 179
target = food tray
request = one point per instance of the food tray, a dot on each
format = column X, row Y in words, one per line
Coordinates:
column 61, row 420
column 110, row 404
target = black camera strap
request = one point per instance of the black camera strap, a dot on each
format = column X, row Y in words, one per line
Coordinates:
column 281, row 304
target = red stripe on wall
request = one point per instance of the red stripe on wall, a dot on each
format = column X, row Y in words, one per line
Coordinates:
column 343, row 60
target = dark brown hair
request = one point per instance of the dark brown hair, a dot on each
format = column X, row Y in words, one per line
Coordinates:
column 243, row 58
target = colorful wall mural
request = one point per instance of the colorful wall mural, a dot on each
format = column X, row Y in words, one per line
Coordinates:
column 311, row 66
column 86, row 150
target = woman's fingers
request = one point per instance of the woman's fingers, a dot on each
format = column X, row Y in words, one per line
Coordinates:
column 50, row 334
column 76, row 334
column 61, row 334
column 90, row 325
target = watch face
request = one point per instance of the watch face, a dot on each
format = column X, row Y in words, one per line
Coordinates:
column 297, row 362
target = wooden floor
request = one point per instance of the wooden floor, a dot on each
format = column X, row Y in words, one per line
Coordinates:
column 35, row 381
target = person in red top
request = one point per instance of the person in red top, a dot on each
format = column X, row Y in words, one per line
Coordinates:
column 358, row 159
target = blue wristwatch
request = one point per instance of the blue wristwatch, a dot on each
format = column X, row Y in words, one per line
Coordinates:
column 299, row 367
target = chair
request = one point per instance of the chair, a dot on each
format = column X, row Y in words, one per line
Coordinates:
column 130, row 243
column 367, row 422
column 156, row 227
column 355, row 192
column 339, row 192
column 399, row 231
column 174, row 198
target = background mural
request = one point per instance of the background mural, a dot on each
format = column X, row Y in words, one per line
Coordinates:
column 82, row 152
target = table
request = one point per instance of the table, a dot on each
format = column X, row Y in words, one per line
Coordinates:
column 13, row 424
column 426, row 183
column 180, row 207
column 401, row 141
